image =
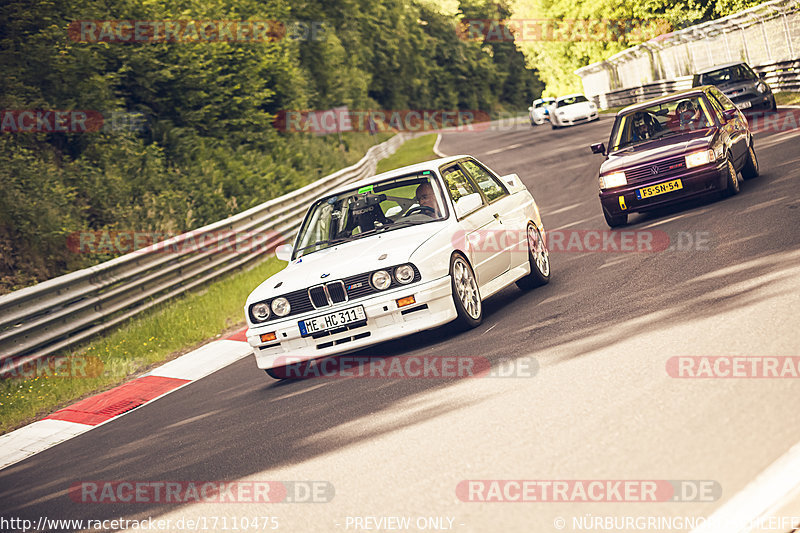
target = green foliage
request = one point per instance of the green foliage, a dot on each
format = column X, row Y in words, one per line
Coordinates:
column 207, row 147
column 557, row 60
column 414, row 151
column 168, row 329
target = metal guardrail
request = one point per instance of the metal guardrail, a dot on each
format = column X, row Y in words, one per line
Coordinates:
column 766, row 36
column 782, row 76
column 42, row 319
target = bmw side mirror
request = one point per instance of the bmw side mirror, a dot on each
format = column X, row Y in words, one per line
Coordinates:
column 598, row 148
column 729, row 114
column 284, row 252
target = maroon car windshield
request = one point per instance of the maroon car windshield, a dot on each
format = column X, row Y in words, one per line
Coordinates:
column 660, row 120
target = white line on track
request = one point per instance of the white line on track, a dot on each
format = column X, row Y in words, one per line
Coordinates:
column 557, row 211
column 498, row 150
column 574, row 223
column 762, row 496
column 436, row 146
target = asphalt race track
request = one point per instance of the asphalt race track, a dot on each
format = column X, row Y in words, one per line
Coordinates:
column 602, row 405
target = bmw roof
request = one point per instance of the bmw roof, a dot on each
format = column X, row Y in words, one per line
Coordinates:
column 432, row 165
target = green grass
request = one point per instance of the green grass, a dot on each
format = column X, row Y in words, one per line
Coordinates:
column 612, row 110
column 413, row 151
column 157, row 335
column 787, row 98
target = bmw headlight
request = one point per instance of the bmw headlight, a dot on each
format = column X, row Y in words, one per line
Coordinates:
column 761, row 87
column 617, row 179
column 381, row 280
column 280, row 306
column 260, row 311
column 404, row 274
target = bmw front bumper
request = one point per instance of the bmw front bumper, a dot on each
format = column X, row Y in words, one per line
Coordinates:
column 385, row 321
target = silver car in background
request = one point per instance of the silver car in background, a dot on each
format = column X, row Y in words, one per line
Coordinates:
column 738, row 82
column 539, row 111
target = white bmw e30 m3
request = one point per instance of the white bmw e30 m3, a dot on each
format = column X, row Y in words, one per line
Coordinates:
column 401, row 252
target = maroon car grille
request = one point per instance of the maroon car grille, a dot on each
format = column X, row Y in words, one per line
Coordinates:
column 656, row 170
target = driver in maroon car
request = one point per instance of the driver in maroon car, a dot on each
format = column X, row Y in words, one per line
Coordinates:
column 687, row 112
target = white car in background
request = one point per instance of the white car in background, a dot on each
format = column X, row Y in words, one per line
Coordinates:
column 538, row 112
column 572, row 109
column 401, row 252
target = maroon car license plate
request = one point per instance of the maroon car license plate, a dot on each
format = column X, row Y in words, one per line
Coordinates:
column 661, row 188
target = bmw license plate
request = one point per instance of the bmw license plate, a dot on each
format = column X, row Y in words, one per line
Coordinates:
column 333, row 320
column 661, row 188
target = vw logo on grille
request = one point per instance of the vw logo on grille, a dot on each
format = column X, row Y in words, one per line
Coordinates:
column 654, row 170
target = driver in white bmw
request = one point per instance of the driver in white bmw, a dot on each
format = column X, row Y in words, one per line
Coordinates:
column 425, row 197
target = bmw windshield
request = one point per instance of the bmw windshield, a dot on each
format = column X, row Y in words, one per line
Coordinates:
column 382, row 206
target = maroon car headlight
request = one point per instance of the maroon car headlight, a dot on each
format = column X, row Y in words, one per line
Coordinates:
column 700, row 158
column 617, row 179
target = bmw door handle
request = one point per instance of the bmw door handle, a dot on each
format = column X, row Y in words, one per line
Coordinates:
column 497, row 216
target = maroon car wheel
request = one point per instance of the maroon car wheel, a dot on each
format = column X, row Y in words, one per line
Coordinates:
column 750, row 168
column 615, row 221
column 733, row 180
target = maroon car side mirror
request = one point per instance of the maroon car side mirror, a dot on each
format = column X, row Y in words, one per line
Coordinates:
column 598, row 148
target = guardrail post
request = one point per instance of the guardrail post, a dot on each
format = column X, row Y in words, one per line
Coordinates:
column 788, row 35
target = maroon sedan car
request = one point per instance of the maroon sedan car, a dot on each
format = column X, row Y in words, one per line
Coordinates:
column 673, row 148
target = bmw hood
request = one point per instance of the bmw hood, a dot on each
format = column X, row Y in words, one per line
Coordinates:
column 369, row 253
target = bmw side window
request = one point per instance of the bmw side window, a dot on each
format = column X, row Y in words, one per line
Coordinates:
column 488, row 184
column 458, row 184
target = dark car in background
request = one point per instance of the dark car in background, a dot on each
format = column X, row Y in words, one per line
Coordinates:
column 739, row 83
column 669, row 149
